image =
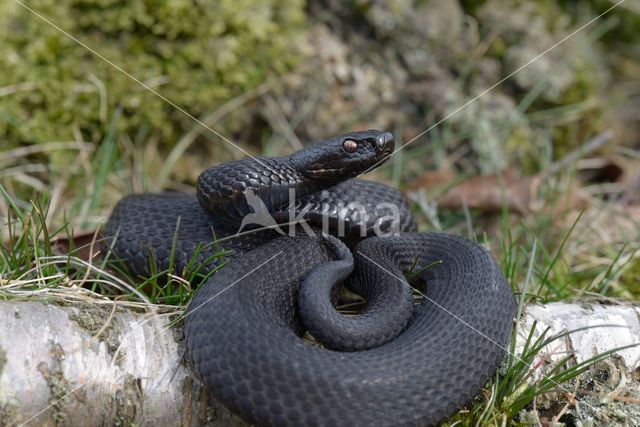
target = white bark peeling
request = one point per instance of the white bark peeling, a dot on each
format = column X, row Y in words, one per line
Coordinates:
column 51, row 362
column 51, row 365
column 563, row 317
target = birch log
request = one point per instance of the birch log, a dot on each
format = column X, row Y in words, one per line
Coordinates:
column 82, row 365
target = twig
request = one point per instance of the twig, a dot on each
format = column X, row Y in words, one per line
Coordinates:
column 281, row 122
column 586, row 148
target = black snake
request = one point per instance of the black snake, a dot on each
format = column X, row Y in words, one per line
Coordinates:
column 395, row 363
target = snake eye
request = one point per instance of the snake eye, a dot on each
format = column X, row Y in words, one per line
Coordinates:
column 350, row 146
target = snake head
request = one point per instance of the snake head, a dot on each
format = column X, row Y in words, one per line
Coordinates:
column 344, row 156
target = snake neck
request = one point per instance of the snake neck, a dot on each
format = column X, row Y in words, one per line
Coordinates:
column 258, row 186
column 262, row 186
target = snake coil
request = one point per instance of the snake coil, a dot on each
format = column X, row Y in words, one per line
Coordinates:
column 396, row 363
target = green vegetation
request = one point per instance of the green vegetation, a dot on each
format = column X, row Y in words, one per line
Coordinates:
column 76, row 134
column 35, row 266
column 197, row 53
column 514, row 390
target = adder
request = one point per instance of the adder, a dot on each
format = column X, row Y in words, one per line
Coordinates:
column 247, row 330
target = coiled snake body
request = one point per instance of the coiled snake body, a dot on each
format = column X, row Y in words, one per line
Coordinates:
column 395, row 363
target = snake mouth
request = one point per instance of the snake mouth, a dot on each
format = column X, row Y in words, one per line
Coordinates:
column 319, row 173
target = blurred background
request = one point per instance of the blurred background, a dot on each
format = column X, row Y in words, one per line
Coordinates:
column 522, row 120
column 555, row 141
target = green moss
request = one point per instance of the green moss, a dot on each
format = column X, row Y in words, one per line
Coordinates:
column 197, row 53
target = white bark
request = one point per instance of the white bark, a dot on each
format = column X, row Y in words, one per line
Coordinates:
column 611, row 324
column 54, row 368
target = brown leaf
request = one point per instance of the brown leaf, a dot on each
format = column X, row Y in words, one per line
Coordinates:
column 432, row 179
column 485, row 193
column 489, row 193
column 83, row 245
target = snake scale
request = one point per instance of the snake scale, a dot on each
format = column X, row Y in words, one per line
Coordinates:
column 394, row 363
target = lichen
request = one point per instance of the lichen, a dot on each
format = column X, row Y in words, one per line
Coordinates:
column 58, row 384
column 9, row 415
column 410, row 64
column 607, row 394
column 127, row 403
column 3, row 359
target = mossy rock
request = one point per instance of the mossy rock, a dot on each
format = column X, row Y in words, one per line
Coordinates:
column 197, row 53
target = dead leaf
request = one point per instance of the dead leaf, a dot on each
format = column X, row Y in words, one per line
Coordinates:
column 82, row 245
column 485, row 193
column 489, row 193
